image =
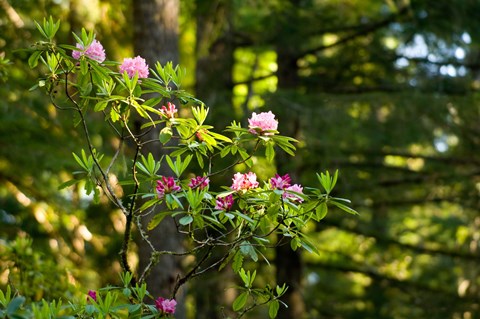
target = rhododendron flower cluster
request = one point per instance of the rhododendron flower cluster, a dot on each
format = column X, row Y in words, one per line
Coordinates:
column 166, row 305
column 283, row 183
column 133, row 66
column 244, row 181
column 169, row 111
column 94, row 51
column 92, row 294
column 167, row 185
column 200, row 182
column 294, row 188
column 264, row 121
column 280, row 182
column 224, row 203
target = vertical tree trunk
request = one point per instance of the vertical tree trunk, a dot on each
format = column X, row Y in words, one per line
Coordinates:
column 156, row 30
column 289, row 267
column 214, row 50
column 156, row 39
column 214, row 53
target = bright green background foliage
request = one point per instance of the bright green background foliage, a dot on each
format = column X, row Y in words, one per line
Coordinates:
column 385, row 91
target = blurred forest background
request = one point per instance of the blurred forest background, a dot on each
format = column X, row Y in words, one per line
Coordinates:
column 386, row 91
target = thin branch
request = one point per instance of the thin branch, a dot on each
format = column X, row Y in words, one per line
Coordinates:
column 191, row 273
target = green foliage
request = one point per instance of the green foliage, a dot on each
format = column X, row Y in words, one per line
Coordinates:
column 32, row 273
column 247, row 228
column 125, row 301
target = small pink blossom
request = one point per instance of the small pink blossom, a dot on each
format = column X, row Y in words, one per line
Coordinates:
column 264, row 121
column 224, row 203
column 169, row 110
column 166, row 305
column 94, row 51
column 200, row 134
column 92, row 294
column 133, row 66
column 280, row 182
column 200, row 181
column 293, row 197
column 166, row 185
column 244, row 181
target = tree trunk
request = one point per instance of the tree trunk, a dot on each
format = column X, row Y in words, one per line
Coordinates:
column 156, row 30
column 156, row 39
column 214, row 51
column 214, row 55
column 289, row 267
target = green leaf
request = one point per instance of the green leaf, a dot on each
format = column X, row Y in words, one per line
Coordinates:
column 200, row 114
column 334, row 180
column 199, row 159
column 343, row 207
column 247, row 249
column 240, row 301
column 185, row 163
column 165, row 135
column 40, row 29
column 220, row 137
column 269, row 152
column 80, row 162
column 68, row 184
column 149, row 204
column 237, row 262
column 273, row 308
column 156, row 220
column 310, row 205
column 185, row 220
column 33, row 59
column 14, row 305
column 308, row 245
column 83, row 66
column 100, row 106
column 224, row 152
column 281, row 290
column 321, row 211
column 171, row 165
column 226, row 261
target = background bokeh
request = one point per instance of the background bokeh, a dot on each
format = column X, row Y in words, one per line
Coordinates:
column 386, row 91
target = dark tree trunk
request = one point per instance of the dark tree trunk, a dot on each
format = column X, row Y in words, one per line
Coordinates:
column 214, row 53
column 156, row 30
column 156, row 39
column 289, row 267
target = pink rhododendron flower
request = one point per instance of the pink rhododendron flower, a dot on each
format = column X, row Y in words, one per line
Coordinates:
column 92, row 294
column 263, row 122
column 244, row 181
column 166, row 185
column 280, row 182
column 199, row 181
column 169, row 110
column 94, row 51
column 166, row 305
column 293, row 197
column 135, row 65
column 224, row 203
